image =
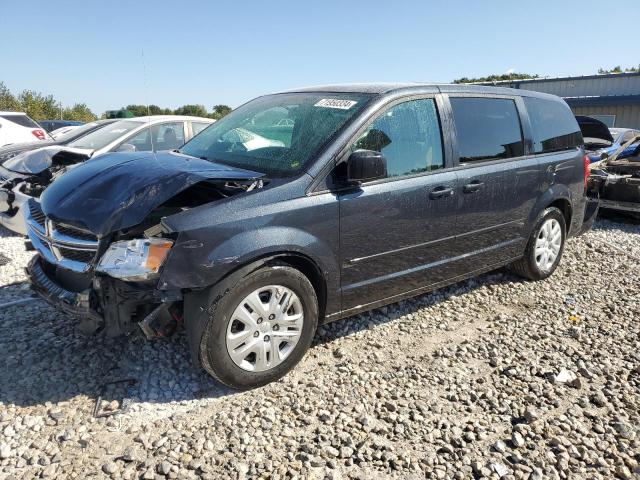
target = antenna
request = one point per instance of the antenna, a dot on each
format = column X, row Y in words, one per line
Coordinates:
column 146, row 98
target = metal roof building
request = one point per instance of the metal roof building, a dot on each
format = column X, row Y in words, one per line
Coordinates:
column 613, row 98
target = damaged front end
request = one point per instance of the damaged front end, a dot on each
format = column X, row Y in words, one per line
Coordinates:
column 101, row 242
column 617, row 180
column 27, row 175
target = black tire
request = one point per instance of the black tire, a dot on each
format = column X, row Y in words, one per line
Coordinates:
column 527, row 267
column 214, row 356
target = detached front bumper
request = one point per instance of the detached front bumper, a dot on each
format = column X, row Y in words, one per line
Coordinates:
column 76, row 304
column 107, row 306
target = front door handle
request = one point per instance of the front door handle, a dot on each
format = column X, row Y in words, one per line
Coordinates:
column 472, row 187
column 440, row 192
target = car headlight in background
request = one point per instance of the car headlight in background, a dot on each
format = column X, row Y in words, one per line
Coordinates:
column 135, row 260
column 7, row 156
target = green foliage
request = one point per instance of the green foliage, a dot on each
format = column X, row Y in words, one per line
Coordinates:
column 37, row 106
column 496, row 78
column 79, row 112
column 42, row 107
column 8, row 101
column 618, row 69
column 46, row 107
column 193, row 110
column 220, row 111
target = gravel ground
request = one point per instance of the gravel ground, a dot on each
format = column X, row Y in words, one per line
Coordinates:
column 490, row 378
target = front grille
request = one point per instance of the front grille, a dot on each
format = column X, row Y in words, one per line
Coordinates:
column 36, row 213
column 63, row 245
column 85, row 256
column 75, row 232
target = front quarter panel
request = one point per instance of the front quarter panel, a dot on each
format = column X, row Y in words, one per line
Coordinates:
column 218, row 238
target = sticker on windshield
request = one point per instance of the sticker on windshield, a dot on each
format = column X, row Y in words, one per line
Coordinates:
column 335, row 103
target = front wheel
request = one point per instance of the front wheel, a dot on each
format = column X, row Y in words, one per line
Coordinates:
column 544, row 248
column 260, row 328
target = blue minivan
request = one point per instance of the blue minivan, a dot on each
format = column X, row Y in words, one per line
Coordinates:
column 307, row 206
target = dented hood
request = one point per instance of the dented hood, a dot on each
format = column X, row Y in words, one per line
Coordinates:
column 118, row 190
column 37, row 161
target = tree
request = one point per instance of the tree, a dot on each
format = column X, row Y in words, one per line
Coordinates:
column 38, row 106
column 220, row 111
column 193, row 110
column 496, row 78
column 79, row 112
column 618, row 69
column 8, row 102
column 137, row 110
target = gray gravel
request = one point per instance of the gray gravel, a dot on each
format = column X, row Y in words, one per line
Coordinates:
column 490, row 378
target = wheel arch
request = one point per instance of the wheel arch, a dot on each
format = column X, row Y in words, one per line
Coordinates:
column 565, row 207
column 558, row 196
column 196, row 303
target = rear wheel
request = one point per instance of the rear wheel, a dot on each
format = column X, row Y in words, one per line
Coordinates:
column 260, row 328
column 544, row 248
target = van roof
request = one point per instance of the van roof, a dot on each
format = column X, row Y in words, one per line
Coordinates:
column 12, row 113
column 393, row 88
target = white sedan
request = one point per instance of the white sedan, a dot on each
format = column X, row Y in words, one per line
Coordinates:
column 27, row 174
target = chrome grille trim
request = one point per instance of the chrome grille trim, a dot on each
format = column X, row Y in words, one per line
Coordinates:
column 36, row 213
column 51, row 243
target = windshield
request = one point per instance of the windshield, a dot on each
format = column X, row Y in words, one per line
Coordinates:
column 104, row 136
column 278, row 134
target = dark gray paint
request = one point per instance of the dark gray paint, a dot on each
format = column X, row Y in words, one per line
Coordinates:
column 372, row 244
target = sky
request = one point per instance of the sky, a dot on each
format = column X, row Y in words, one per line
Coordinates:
column 111, row 53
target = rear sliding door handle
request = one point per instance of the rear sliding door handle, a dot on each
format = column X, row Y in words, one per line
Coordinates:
column 472, row 187
column 440, row 192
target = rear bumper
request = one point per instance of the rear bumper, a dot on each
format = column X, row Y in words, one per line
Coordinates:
column 592, row 206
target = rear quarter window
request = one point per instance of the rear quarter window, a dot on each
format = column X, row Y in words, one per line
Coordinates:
column 553, row 125
column 21, row 120
column 487, row 128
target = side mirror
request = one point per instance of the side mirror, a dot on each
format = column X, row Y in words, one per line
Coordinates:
column 366, row 165
column 126, row 147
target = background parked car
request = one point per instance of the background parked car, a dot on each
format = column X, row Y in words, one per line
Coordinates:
column 620, row 137
column 27, row 174
column 58, row 132
column 12, row 150
column 17, row 127
column 51, row 125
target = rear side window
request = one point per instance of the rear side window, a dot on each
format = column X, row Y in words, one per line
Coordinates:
column 487, row 128
column 553, row 124
column 197, row 127
column 408, row 135
column 21, row 120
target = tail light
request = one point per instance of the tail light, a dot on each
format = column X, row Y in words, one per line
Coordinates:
column 587, row 170
column 39, row 134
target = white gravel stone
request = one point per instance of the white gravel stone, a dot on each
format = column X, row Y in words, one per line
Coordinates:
column 452, row 384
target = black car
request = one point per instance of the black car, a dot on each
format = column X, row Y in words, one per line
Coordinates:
column 10, row 151
column 51, row 125
column 308, row 206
